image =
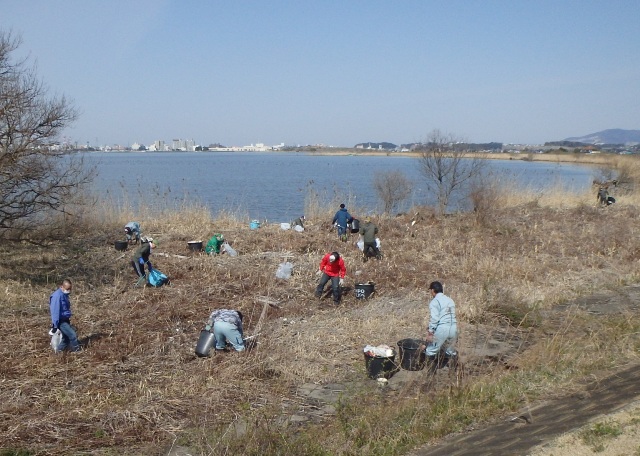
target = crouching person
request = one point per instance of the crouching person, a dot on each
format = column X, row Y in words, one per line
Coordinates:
column 132, row 232
column 332, row 268
column 227, row 327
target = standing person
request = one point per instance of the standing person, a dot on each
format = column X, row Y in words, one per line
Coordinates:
column 332, row 267
column 141, row 257
column 60, row 308
column 341, row 219
column 132, row 231
column 227, row 326
column 369, row 232
column 442, row 332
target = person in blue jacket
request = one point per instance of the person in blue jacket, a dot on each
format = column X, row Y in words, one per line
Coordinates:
column 60, row 307
column 341, row 219
column 442, row 332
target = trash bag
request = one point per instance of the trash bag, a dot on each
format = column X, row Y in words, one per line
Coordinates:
column 284, row 270
column 360, row 245
column 157, row 279
column 285, row 226
column 56, row 338
column 298, row 228
column 229, row 250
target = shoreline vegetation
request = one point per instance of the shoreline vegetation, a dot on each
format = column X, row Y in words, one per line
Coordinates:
column 515, row 268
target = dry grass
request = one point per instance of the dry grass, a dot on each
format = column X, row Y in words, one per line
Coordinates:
column 138, row 387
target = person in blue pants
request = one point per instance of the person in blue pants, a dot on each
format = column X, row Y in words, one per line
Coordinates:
column 442, row 332
column 341, row 219
column 227, row 327
column 60, row 308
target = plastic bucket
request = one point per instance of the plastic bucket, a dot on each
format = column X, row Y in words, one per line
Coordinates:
column 355, row 226
column 379, row 366
column 205, row 343
column 195, row 246
column 254, row 225
column 121, row 246
column 364, row 290
column 411, row 357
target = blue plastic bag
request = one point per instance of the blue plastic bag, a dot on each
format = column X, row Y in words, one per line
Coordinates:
column 157, row 279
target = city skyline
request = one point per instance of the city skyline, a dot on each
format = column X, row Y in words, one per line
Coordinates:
column 335, row 73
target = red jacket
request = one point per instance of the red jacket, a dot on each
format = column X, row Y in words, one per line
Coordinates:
column 334, row 269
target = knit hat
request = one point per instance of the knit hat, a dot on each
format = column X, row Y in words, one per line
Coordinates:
column 332, row 258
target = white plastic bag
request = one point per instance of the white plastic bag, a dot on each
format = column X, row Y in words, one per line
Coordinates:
column 298, row 228
column 378, row 243
column 284, row 270
column 229, row 250
column 285, row 226
column 360, row 245
column 56, row 338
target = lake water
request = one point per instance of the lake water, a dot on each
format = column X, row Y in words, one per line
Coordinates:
column 273, row 186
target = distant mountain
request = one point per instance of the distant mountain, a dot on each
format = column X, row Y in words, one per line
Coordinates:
column 613, row 136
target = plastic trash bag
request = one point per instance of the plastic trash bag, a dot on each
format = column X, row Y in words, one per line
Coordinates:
column 229, row 250
column 378, row 243
column 157, row 279
column 298, row 228
column 360, row 245
column 284, row 270
column 56, row 338
column 285, row 226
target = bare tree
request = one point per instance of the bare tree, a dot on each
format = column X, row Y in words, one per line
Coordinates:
column 447, row 166
column 37, row 177
column 392, row 187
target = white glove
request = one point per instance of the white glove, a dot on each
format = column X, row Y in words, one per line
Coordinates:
column 52, row 332
column 318, row 272
column 341, row 282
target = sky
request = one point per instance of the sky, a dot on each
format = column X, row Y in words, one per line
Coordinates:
column 334, row 72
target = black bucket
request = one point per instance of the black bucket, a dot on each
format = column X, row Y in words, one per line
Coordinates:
column 364, row 290
column 355, row 225
column 205, row 343
column 411, row 357
column 121, row 246
column 195, row 246
column 379, row 366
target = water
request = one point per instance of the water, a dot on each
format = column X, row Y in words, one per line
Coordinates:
column 273, row 186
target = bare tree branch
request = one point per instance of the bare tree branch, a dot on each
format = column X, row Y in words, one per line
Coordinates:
column 447, row 167
column 37, row 179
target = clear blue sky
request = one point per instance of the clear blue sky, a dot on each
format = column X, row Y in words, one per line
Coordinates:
column 335, row 72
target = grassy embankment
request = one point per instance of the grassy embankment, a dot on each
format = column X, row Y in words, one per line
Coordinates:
column 139, row 389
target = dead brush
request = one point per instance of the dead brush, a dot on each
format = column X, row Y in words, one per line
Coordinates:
column 138, row 385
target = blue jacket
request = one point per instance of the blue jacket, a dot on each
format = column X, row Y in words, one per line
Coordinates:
column 342, row 217
column 60, row 307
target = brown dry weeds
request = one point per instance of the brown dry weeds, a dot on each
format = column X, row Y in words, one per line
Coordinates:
column 138, row 386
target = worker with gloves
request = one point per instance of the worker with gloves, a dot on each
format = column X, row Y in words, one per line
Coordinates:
column 132, row 232
column 332, row 267
column 341, row 220
column 60, row 308
column 141, row 257
column 369, row 232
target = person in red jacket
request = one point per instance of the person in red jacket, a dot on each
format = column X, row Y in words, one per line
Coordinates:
column 332, row 267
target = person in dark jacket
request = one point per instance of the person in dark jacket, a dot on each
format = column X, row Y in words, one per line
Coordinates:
column 141, row 257
column 60, row 308
column 369, row 231
column 298, row 222
column 332, row 268
column 341, row 219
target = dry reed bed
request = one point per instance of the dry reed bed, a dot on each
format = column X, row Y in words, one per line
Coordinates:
column 139, row 383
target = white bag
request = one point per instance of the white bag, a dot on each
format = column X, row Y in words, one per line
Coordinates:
column 298, row 228
column 56, row 338
column 284, row 270
column 285, row 226
column 360, row 245
column 229, row 250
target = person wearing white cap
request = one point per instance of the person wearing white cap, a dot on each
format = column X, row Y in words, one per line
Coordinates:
column 132, row 232
column 332, row 268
